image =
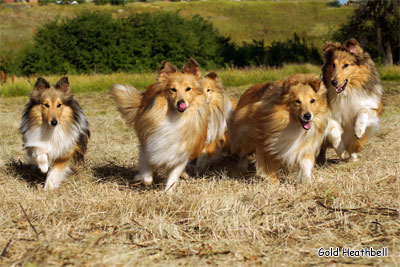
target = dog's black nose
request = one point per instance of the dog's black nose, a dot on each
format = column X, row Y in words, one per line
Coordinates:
column 307, row 116
column 54, row 122
column 334, row 82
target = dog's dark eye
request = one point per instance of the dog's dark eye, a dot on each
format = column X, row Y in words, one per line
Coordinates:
column 208, row 90
column 173, row 89
column 346, row 65
column 59, row 105
column 333, row 65
column 46, row 105
column 312, row 101
column 188, row 89
column 298, row 101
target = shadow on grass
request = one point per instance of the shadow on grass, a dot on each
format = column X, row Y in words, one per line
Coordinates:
column 329, row 162
column 123, row 176
column 226, row 168
column 27, row 172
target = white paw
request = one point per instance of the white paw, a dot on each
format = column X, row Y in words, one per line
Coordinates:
column 147, row 180
column 44, row 166
column 304, row 179
column 354, row 157
column 50, row 186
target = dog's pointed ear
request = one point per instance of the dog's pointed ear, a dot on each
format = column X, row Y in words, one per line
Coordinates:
column 41, row 84
column 167, row 68
column 63, row 85
column 329, row 48
column 353, row 47
column 285, row 85
column 315, row 84
column 213, row 76
column 192, row 67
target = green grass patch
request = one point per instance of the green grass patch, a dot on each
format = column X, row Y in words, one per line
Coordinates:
column 232, row 78
column 389, row 73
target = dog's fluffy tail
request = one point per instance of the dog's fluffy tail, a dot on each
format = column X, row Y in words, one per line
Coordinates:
column 128, row 101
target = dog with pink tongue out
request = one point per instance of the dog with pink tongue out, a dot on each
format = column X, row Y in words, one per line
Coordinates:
column 170, row 119
column 283, row 123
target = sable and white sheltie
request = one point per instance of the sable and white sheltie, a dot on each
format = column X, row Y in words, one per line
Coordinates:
column 54, row 130
column 220, row 105
column 283, row 122
column 170, row 120
column 354, row 94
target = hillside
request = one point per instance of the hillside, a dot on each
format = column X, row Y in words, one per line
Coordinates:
column 242, row 21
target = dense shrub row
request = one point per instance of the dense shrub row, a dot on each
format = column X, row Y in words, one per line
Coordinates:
column 98, row 43
column 294, row 50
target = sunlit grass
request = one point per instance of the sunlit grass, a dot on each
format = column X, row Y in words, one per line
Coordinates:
column 230, row 77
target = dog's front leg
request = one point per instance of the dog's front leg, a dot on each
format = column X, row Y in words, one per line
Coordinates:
column 334, row 136
column 40, row 159
column 173, row 176
column 306, row 165
column 58, row 172
column 361, row 123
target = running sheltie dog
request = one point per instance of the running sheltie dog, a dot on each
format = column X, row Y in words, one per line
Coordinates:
column 170, row 120
column 283, row 122
column 354, row 94
column 54, row 130
column 220, row 106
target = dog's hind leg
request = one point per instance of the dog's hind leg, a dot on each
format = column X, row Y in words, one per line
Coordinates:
column 267, row 166
column 58, row 172
column 321, row 158
column 173, row 176
column 202, row 162
column 145, row 174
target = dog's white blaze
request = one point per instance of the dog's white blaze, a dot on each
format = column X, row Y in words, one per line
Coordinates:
column 346, row 108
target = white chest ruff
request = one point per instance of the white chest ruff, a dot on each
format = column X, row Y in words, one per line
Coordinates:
column 292, row 144
column 53, row 141
column 164, row 148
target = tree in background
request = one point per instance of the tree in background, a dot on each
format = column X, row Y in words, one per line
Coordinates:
column 98, row 43
column 375, row 24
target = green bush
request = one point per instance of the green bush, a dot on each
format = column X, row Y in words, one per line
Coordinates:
column 293, row 50
column 97, row 43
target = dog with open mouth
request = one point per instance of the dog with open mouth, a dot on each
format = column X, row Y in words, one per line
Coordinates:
column 284, row 123
column 170, row 119
column 354, row 95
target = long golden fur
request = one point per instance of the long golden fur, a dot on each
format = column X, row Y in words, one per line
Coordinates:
column 220, row 106
column 170, row 119
column 283, row 122
column 55, row 130
column 354, row 94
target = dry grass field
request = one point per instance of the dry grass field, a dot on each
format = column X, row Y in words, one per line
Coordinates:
column 99, row 217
